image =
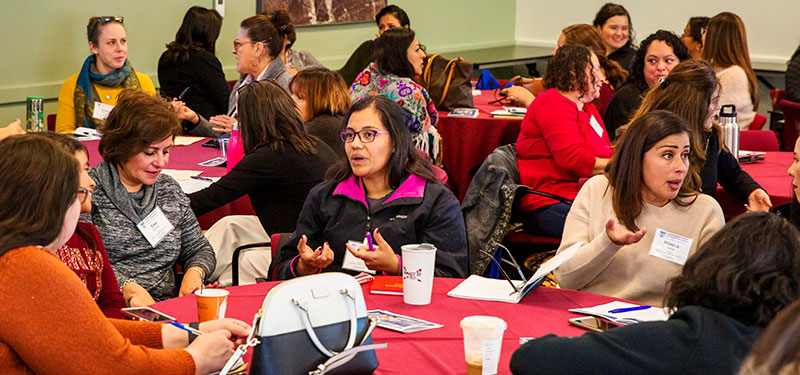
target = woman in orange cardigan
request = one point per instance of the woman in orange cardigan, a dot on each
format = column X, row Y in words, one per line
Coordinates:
column 50, row 323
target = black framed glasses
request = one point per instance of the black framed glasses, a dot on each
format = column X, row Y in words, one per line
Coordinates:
column 83, row 195
column 512, row 262
column 364, row 135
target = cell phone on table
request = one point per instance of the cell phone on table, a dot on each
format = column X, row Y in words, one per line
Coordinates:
column 592, row 323
column 146, row 314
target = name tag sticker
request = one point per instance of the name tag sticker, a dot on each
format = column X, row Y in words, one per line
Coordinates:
column 670, row 246
column 101, row 110
column 596, row 126
column 350, row 262
column 155, row 226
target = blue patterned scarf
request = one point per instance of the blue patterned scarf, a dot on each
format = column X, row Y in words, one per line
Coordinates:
column 86, row 95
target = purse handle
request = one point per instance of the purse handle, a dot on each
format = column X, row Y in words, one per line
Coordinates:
column 451, row 66
column 302, row 305
column 345, row 356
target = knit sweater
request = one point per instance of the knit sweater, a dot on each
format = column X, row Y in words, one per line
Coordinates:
column 65, row 121
column 116, row 213
column 91, row 265
column 51, row 325
column 736, row 90
column 630, row 272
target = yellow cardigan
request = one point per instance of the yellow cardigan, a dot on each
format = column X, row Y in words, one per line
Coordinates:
column 65, row 121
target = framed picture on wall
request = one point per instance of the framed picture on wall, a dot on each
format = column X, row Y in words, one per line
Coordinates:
column 325, row 12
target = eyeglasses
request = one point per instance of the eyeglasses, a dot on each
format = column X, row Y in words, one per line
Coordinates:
column 83, row 195
column 512, row 262
column 105, row 19
column 364, row 135
column 238, row 43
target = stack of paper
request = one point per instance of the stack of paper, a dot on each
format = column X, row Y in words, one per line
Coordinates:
column 644, row 314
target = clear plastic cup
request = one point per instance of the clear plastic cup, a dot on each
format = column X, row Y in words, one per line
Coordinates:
column 223, row 147
column 483, row 338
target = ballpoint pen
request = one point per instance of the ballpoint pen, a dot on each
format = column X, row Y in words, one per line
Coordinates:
column 201, row 178
column 369, row 242
column 182, row 93
column 185, row 328
column 626, row 309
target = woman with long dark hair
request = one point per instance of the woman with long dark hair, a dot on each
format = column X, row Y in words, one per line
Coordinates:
column 190, row 64
column 386, row 188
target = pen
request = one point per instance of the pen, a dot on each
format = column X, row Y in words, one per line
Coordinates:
column 369, row 241
column 626, row 309
column 201, row 178
column 182, row 93
column 185, row 328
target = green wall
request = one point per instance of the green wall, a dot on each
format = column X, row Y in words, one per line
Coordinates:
column 44, row 41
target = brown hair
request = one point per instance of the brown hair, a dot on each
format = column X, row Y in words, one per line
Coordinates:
column 268, row 117
column 588, row 35
column 39, row 182
column 778, row 349
column 567, row 69
column 405, row 159
column 609, row 10
column 261, row 29
column 96, row 24
column 136, row 122
column 749, row 270
column 687, row 92
column 323, row 90
column 726, row 45
column 625, row 173
column 283, row 23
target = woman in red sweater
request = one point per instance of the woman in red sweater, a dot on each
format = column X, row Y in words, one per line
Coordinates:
column 562, row 139
column 50, row 323
column 84, row 252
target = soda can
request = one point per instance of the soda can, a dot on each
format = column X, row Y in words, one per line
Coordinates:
column 35, row 115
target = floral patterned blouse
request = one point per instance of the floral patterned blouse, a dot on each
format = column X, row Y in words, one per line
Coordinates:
column 408, row 94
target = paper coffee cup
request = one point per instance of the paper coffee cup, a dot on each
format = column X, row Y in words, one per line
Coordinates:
column 483, row 338
column 211, row 304
column 418, row 264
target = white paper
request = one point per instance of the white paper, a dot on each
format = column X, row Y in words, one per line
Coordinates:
column 155, row 226
column 491, row 356
column 670, row 246
column 180, row 175
column 101, row 110
column 652, row 314
column 86, row 134
column 596, row 126
column 193, row 185
column 352, row 263
column 183, row 140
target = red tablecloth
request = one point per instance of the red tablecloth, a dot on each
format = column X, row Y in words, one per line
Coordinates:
column 187, row 158
column 466, row 142
column 770, row 174
column 436, row 351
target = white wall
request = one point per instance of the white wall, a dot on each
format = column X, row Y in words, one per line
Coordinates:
column 773, row 26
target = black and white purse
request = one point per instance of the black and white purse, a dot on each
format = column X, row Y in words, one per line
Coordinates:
column 314, row 324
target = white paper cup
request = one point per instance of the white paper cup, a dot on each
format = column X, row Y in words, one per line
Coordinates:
column 211, row 303
column 418, row 264
column 223, row 147
column 483, row 338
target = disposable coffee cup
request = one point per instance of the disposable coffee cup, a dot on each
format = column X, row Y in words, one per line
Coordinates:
column 223, row 147
column 418, row 264
column 483, row 338
column 211, row 304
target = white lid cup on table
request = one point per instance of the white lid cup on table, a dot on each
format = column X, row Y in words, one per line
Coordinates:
column 483, row 338
column 419, row 261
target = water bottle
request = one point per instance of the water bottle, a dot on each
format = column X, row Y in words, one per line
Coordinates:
column 730, row 129
column 235, row 147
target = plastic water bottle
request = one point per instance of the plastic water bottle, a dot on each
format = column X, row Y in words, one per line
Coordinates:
column 730, row 129
column 235, row 147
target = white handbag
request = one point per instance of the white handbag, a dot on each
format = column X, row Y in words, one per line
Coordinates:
column 314, row 324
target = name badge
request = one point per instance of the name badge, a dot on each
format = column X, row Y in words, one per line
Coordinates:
column 670, row 246
column 596, row 126
column 155, row 226
column 352, row 263
column 101, row 110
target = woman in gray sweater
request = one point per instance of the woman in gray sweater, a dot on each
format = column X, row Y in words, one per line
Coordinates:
column 143, row 216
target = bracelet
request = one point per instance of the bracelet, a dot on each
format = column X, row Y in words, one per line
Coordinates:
column 130, row 280
column 192, row 335
column 199, row 270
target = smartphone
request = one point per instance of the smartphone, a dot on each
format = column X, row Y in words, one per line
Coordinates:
column 592, row 324
column 146, row 314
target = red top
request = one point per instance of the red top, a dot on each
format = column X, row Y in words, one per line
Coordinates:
column 94, row 270
column 557, row 146
column 606, row 94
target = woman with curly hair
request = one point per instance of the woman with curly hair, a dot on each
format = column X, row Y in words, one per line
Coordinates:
column 562, row 138
column 727, row 292
column 656, row 57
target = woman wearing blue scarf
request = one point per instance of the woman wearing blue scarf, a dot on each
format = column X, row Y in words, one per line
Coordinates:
column 86, row 97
